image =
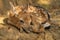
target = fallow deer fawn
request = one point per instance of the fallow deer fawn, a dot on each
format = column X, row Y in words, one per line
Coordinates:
column 32, row 18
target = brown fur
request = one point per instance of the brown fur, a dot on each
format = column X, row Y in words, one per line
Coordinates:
column 31, row 17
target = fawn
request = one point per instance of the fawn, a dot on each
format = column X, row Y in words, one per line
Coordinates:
column 32, row 18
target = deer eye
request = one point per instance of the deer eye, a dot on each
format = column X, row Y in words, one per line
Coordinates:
column 21, row 21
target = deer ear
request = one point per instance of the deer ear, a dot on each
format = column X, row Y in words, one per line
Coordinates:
column 11, row 4
column 13, row 8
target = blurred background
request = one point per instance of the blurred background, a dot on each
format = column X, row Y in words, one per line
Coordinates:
column 53, row 7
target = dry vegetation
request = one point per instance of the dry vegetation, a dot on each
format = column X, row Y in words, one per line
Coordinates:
column 8, row 32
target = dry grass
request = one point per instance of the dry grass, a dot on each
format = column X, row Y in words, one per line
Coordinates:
column 2, row 18
column 8, row 32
